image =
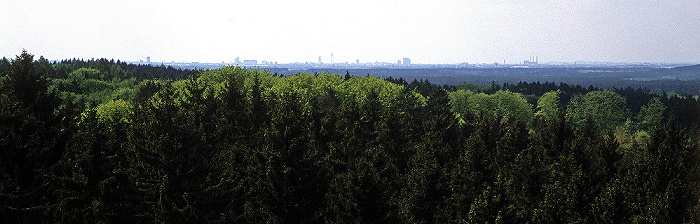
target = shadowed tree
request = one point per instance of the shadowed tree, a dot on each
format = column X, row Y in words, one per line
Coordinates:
column 427, row 180
column 33, row 137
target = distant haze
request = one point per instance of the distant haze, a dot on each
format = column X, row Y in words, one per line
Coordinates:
column 437, row 31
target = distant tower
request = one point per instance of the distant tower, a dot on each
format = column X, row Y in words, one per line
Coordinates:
column 238, row 60
column 357, row 61
column 148, row 59
column 406, row 61
column 319, row 60
column 331, row 57
column 533, row 60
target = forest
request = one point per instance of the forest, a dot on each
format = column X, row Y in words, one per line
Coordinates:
column 682, row 80
column 100, row 141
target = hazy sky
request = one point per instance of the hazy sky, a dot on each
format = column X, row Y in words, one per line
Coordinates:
column 430, row 31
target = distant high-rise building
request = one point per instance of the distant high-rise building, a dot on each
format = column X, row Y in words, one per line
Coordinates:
column 398, row 62
column 357, row 61
column 148, row 59
column 319, row 60
column 406, row 61
column 238, row 60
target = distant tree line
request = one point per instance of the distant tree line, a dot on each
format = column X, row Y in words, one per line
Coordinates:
column 234, row 145
column 109, row 69
column 681, row 80
column 684, row 107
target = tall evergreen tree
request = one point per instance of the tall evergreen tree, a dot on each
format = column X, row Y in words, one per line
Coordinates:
column 428, row 175
column 33, row 136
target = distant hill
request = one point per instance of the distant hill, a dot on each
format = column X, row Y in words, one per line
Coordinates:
column 691, row 68
column 691, row 72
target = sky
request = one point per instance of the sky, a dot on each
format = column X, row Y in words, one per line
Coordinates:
column 427, row 32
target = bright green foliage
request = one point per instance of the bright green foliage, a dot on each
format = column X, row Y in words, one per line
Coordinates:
column 361, row 86
column 605, row 108
column 113, row 112
column 126, row 94
column 305, row 86
column 504, row 104
column 651, row 114
column 459, row 102
column 92, row 86
column 481, row 102
column 548, row 105
column 469, row 87
column 85, row 73
column 513, row 105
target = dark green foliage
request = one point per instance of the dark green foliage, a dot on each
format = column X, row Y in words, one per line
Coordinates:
column 29, row 87
column 164, row 142
column 34, row 134
column 427, row 177
column 294, row 180
column 662, row 179
column 93, row 178
column 4, row 66
column 109, row 69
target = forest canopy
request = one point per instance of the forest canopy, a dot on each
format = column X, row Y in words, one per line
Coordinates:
column 105, row 141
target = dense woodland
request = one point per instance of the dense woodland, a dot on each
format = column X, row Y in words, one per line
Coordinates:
column 682, row 80
column 100, row 141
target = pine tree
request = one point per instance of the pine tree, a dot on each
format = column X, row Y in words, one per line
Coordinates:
column 33, row 136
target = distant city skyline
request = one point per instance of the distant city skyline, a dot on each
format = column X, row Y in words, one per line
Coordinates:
column 427, row 32
column 531, row 60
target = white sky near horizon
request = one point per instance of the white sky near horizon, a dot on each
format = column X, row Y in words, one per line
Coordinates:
column 437, row 31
